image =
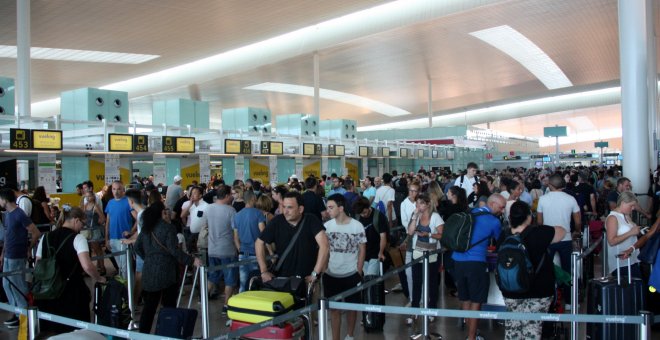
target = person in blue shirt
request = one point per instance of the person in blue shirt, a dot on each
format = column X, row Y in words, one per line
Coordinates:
column 247, row 224
column 14, row 253
column 118, row 224
column 472, row 278
column 337, row 187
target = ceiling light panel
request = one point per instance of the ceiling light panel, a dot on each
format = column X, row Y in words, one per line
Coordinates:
column 79, row 55
column 524, row 51
column 346, row 98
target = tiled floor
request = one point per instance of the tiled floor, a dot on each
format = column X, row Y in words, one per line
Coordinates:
column 395, row 327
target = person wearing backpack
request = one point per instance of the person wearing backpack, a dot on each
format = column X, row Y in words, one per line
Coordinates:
column 385, row 199
column 472, row 279
column 17, row 225
column 525, row 273
column 71, row 253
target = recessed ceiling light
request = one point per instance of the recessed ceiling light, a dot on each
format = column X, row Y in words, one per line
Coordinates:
column 79, row 55
column 524, row 51
column 347, row 98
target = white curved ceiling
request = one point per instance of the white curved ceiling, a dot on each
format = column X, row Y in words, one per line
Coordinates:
column 389, row 60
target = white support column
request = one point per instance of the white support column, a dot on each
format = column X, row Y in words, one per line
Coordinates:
column 317, row 82
column 633, row 46
column 430, row 108
column 23, row 58
column 652, row 80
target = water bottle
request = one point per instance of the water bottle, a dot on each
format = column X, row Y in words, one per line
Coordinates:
column 114, row 317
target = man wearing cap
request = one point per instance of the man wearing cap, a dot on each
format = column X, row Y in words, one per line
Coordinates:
column 174, row 193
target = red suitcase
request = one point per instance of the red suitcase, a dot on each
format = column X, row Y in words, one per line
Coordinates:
column 290, row 330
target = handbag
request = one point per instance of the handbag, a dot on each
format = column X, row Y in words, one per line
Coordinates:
column 421, row 247
column 649, row 252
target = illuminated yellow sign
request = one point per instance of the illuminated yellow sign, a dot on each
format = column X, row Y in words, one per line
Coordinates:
column 339, row 150
column 276, row 148
column 364, row 151
column 232, row 146
column 47, row 139
column 19, row 139
column 386, row 152
column 141, row 143
column 308, row 149
column 120, row 142
column 185, row 144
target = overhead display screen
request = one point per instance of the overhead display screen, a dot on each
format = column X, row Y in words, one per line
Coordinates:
column 364, row 151
column 420, row 153
column 237, row 146
column 179, row 144
column 385, row 152
column 272, row 148
column 141, row 143
column 20, row 139
column 434, row 153
column 47, row 139
column 403, row 152
column 310, row 149
column 336, row 150
column 120, row 142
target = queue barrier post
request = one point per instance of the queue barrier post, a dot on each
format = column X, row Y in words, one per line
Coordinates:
column 204, row 297
column 574, row 293
column 645, row 326
column 425, row 294
column 323, row 318
column 33, row 322
column 604, row 254
column 130, row 277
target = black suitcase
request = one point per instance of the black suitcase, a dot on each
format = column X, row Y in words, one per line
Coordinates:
column 176, row 322
column 610, row 296
column 374, row 295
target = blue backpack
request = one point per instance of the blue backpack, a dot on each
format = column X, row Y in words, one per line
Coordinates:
column 514, row 272
column 381, row 207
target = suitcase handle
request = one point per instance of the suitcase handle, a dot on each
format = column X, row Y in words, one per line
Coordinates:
column 618, row 271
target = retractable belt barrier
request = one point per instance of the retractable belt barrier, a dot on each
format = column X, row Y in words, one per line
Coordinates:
column 81, row 324
column 591, row 248
column 237, row 264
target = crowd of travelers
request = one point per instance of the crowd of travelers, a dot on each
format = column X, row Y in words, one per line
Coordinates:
column 343, row 229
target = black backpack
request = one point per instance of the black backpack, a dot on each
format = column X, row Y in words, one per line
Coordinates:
column 114, row 300
column 37, row 215
column 457, row 232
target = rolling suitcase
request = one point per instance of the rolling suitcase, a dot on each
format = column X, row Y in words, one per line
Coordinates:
column 255, row 306
column 289, row 330
column 374, row 295
column 176, row 323
column 609, row 296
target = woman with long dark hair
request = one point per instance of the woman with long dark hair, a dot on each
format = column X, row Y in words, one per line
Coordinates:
column 157, row 245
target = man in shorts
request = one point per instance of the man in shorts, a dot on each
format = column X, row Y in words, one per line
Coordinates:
column 471, row 275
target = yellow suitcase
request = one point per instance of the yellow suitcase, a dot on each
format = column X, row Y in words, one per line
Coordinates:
column 258, row 305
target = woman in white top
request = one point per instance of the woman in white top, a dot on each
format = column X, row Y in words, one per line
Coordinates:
column 621, row 235
column 515, row 189
column 426, row 229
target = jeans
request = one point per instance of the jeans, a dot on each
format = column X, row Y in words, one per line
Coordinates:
column 409, row 275
column 372, row 267
column 564, row 248
column 418, row 284
column 116, row 246
column 15, row 297
column 245, row 270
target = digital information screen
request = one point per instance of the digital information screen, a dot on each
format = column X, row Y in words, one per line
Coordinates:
column 310, row 149
column 403, row 153
column 420, row 153
column 179, row 144
column 46, row 139
column 20, row 139
column 120, row 142
column 140, row 143
column 385, row 152
column 434, row 153
column 237, row 146
column 336, row 150
column 363, row 151
column 272, row 148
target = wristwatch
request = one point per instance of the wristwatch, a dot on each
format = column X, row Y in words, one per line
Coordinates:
column 314, row 274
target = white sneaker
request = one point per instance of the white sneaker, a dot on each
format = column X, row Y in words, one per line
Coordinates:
column 348, row 337
column 431, row 318
column 408, row 304
column 409, row 321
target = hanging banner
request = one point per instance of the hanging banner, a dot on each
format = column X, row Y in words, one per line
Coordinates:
column 311, row 167
column 299, row 167
column 272, row 166
column 47, row 175
column 204, row 168
column 259, row 170
column 112, row 168
column 352, row 169
column 324, row 165
column 9, row 174
column 160, row 169
column 365, row 167
column 239, row 167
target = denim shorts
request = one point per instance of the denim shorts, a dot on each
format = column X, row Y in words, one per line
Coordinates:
column 230, row 276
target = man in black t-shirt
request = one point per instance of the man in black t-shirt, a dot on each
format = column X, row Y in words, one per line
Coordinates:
column 376, row 235
column 586, row 194
column 312, row 202
column 310, row 252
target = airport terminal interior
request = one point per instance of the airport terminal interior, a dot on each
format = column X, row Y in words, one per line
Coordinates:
column 157, row 94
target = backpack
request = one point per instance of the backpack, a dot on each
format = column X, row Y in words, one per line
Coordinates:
column 37, row 215
column 48, row 282
column 381, row 207
column 115, row 294
column 457, row 232
column 514, row 272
